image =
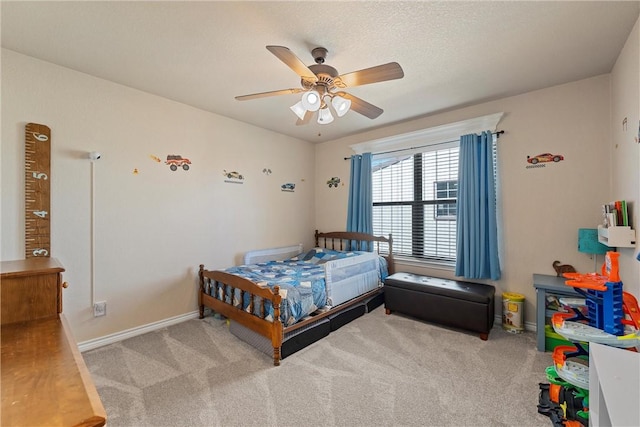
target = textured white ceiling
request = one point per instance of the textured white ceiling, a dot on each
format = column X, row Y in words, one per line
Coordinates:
column 205, row 53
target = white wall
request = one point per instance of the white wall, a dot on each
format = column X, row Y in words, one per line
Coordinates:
column 153, row 229
column 625, row 148
column 542, row 208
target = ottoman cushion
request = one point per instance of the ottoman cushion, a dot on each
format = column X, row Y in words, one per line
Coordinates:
column 459, row 304
column 476, row 292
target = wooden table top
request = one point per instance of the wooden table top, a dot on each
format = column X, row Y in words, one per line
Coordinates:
column 44, row 380
column 30, row 266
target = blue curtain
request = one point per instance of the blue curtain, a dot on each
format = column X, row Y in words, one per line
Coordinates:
column 360, row 210
column 477, row 232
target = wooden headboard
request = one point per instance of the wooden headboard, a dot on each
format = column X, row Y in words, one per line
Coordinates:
column 354, row 241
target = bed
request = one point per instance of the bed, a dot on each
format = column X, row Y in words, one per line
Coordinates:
column 283, row 294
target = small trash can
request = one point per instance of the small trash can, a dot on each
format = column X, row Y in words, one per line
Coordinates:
column 513, row 312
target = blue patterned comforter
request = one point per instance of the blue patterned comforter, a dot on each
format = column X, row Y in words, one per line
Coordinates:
column 301, row 280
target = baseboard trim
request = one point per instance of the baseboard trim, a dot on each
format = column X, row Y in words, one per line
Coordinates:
column 528, row 326
column 150, row 327
column 133, row 332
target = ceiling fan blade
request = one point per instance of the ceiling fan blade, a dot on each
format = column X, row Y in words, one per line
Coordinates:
column 307, row 118
column 293, row 62
column 265, row 94
column 361, row 106
column 380, row 73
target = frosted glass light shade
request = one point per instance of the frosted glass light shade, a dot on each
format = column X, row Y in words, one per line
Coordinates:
column 299, row 109
column 324, row 116
column 311, row 100
column 341, row 105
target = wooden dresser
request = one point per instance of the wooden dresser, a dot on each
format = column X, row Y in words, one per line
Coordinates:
column 44, row 380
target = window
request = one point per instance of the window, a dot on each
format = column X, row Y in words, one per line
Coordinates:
column 421, row 217
column 415, row 199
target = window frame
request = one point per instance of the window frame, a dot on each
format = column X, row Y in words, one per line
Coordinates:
column 418, row 244
column 446, row 206
column 413, row 141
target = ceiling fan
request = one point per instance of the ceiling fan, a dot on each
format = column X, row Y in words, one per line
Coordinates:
column 321, row 83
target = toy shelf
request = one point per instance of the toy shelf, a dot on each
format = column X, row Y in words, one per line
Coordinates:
column 617, row 237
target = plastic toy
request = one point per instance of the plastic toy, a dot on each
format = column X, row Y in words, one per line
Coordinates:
column 572, row 372
column 564, row 406
column 610, row 309
column 579, row 332
column 612, row 318
column 603, row 294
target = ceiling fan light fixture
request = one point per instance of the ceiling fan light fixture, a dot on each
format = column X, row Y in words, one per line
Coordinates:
column 311, row 100
column 319, row 83
column 299, row 110
column 324, row 116
column 341, row 105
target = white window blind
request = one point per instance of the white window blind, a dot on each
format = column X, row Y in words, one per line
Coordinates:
column 414, row 199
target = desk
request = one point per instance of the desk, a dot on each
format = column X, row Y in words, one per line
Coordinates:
column 614, row 386
column 43, row 378
column 548, row 285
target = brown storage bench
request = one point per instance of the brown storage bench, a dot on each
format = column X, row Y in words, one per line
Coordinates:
column 458, row 304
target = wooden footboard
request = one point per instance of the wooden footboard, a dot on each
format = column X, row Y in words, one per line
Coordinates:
column 216, row 286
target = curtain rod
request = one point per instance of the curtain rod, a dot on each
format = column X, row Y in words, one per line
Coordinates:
column 498, row 133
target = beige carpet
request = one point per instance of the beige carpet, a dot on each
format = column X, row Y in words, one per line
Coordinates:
column 378, row 370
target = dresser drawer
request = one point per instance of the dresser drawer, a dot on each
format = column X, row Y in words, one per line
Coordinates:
column 30, row 289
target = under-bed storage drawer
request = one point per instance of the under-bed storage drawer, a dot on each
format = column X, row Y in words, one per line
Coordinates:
column 345, row 316
column 291, row 342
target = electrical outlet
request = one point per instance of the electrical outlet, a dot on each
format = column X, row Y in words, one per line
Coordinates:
column 100, row 309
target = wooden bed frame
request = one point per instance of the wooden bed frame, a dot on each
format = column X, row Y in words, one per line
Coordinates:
column 273, row 330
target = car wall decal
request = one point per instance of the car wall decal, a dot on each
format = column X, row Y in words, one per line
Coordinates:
column 175, row 161
column 233, row 177
column 290, row 187
column 541, row 160
column 333, row 182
